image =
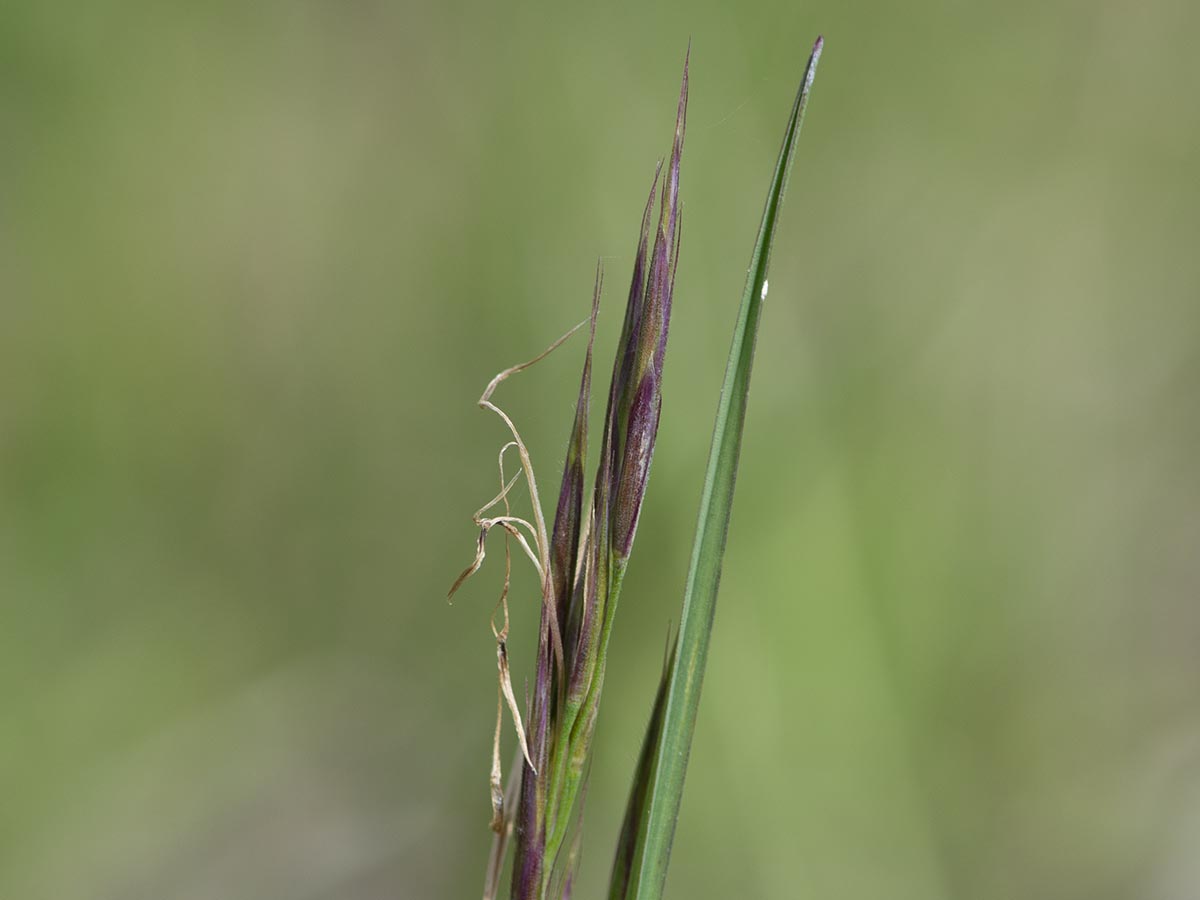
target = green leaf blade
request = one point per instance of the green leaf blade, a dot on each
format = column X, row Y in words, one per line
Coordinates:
column 672, row 744
column 639, row 793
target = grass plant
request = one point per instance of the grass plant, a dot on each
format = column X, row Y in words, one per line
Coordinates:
column 581, row 560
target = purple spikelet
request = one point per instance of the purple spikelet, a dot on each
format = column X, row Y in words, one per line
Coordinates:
column 589, row 548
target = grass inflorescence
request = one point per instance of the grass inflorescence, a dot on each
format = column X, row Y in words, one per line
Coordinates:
column 582, row 558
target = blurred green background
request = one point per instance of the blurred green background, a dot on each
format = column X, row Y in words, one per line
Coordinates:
column 257, row 261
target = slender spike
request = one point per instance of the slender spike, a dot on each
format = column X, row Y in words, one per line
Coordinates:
column 649, row 347
column 626, row 351
column 564, row 543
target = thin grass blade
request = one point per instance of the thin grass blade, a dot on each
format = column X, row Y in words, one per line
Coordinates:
column 639, row 793
column 665, row 789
